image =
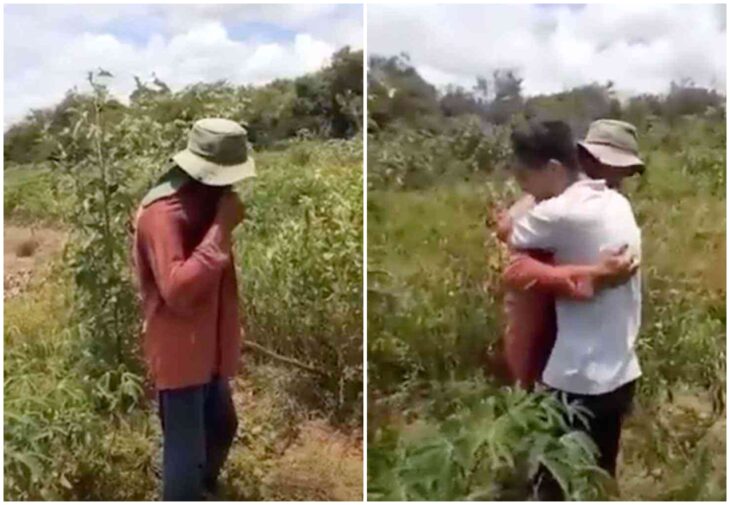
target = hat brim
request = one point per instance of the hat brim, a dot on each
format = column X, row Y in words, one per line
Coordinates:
column 214, row 174
column 609, row 155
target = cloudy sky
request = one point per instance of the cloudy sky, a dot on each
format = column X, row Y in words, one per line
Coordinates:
column 49, row 48
column 639, row 47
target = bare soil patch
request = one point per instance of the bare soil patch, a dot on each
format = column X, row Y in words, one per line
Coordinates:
column 28, row 250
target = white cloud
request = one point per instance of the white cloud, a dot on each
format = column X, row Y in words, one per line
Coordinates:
column 320, row 19
column 49, row 49
column 641, row 47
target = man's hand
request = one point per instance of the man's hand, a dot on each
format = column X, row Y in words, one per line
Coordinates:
column 522, row 206
column 617, row 268
column 492, row 215
column 230, row 211
column 500, row 218
column 503, row 225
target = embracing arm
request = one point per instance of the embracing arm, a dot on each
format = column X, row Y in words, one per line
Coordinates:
column 532, row 270
column 525, row 272
column 579, row 282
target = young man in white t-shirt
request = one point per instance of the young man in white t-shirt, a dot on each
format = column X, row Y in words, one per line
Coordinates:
column 579, row 219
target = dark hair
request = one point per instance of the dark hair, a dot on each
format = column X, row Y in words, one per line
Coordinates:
column 537, row 142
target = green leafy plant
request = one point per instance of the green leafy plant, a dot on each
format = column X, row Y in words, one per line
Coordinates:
column 479, row 443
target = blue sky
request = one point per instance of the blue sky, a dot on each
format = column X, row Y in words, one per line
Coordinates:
column 49, row 48
column 639, row 46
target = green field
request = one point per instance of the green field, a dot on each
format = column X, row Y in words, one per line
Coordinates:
column 437, row 428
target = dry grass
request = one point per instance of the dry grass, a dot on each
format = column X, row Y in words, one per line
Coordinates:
column 323, row 464
column 675, row 451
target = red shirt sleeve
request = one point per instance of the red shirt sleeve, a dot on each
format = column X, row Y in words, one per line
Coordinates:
column 180, row 280
column 525, row 272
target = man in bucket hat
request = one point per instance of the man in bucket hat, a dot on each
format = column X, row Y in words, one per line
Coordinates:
column 184, row 262
column 610, row 152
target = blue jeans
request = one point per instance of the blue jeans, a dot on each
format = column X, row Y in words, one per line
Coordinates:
column 198, row 426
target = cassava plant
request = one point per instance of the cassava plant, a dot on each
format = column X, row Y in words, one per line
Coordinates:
column 480, row 443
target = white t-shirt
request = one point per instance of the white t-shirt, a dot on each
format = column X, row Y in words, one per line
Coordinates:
column 594, row 350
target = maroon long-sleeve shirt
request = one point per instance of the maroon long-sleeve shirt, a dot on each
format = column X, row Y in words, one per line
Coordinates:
column 188, row 286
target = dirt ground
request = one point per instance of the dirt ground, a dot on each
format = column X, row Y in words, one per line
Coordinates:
column 336, row 457
column 28, row 249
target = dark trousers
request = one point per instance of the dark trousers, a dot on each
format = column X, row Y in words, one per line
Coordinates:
column 198, row 426
column 604, row 428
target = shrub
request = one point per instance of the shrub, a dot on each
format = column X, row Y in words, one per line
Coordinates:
column 301, row 265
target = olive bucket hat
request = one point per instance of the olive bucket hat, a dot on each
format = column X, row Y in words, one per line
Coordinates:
column 217, row 153
column 613, row 143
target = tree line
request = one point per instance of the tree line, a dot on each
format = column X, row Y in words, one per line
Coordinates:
column 322, row 104
column 399, row 95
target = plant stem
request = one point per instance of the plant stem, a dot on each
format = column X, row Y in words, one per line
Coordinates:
column 107, row 225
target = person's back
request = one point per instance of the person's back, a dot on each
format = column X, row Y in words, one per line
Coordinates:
column 594, row 349
column 532, row 282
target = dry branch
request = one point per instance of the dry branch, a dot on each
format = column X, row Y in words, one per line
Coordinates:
column 283, row 359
